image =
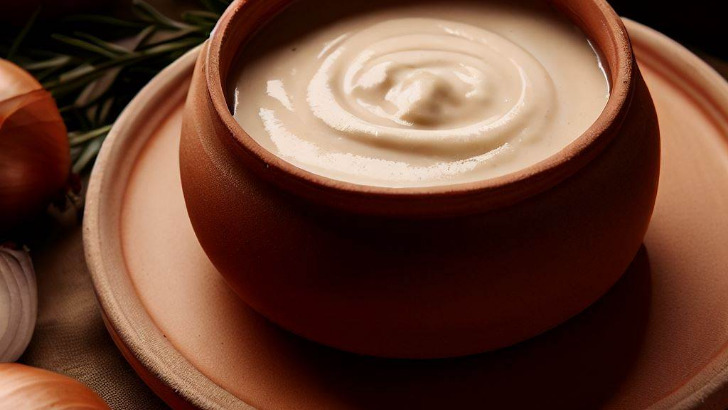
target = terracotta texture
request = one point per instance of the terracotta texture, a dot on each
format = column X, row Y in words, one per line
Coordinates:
column 421, row 272
column 658, row 339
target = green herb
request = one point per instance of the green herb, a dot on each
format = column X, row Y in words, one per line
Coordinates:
column 93, row 65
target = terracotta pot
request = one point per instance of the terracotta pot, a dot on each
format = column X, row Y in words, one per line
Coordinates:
column 421, row 272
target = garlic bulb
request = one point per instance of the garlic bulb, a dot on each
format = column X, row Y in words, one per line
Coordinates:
column 18, row 303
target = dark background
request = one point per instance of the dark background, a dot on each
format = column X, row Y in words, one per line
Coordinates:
column 699, row 24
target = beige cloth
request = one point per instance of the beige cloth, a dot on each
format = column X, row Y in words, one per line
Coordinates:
column 70, row 336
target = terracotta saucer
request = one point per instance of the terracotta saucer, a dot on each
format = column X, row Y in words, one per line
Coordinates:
column 658, row 338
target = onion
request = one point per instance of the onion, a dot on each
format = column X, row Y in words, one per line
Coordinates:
column 30, row 388
column 18, row 303
column 35, row 157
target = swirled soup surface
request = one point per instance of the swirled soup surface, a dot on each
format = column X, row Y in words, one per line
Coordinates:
column 407, row 94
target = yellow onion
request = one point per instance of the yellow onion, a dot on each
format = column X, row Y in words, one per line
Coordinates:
column 30, row 388
column 18, row 303
column 35, row 156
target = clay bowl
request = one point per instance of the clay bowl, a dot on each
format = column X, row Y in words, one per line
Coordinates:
column 421, row 272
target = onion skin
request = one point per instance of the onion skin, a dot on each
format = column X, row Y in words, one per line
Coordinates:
column 35, row 157
column 30, row 388
column 18, row 303
column 15, row 81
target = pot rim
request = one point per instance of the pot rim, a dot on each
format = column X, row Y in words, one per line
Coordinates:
column 443, row 200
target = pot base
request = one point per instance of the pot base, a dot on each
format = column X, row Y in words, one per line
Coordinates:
column 659, row 337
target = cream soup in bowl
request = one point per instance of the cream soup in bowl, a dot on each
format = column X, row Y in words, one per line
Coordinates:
column 404, row 94
column 398, row 197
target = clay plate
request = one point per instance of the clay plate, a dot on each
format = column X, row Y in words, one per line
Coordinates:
column 658, row 338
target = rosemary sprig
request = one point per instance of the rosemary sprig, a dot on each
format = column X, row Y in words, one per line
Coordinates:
column 95, row 64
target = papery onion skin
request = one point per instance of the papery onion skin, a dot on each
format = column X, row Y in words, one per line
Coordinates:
column 30, row 388
column 35, row 157
column 18, row 303
column 15, row 81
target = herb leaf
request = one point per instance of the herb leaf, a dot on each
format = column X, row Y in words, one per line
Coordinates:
column 95, row 64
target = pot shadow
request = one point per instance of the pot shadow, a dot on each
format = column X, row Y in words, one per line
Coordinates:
column 579, row 364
